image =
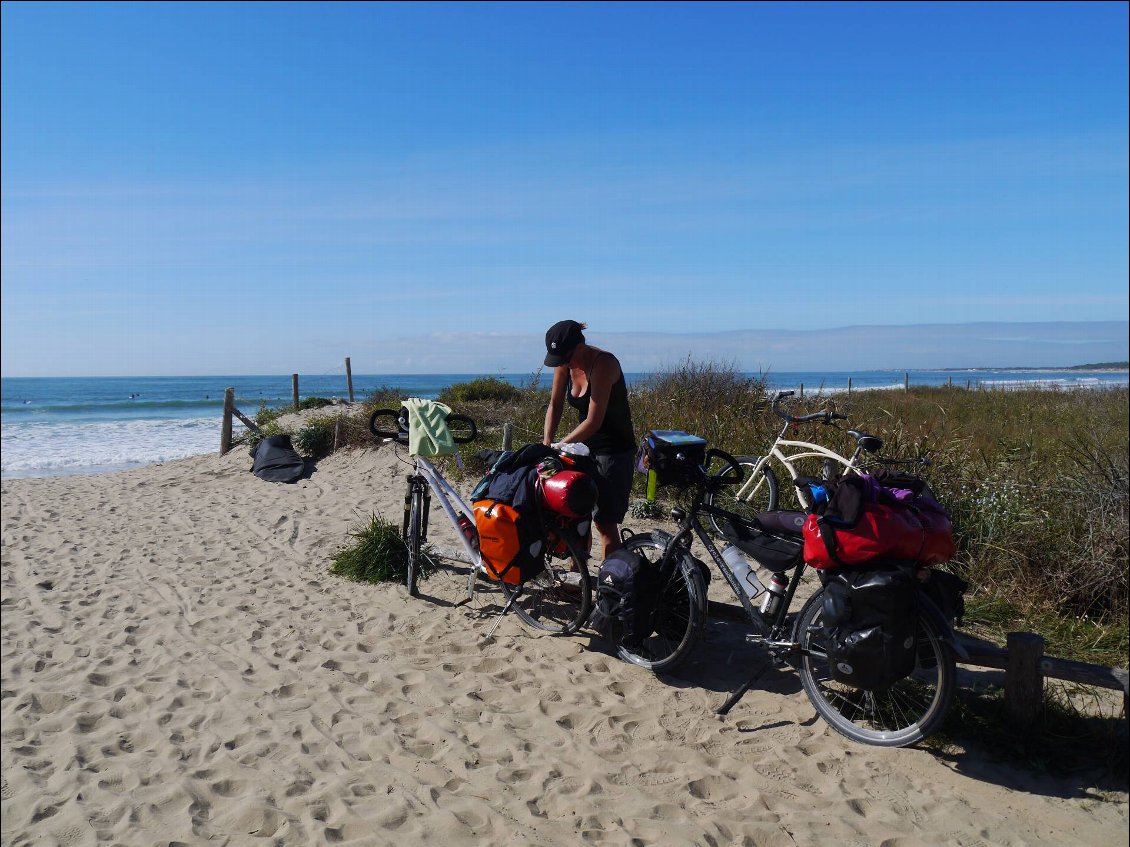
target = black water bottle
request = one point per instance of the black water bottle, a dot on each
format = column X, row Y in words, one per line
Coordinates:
column 774, row 593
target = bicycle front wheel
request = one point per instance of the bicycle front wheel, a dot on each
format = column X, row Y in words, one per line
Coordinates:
column 680, row 609
column 558, row 600
column 902, row 714
column 757, row 492
column 412, row 534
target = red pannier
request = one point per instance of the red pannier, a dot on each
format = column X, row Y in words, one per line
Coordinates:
column 864, row 520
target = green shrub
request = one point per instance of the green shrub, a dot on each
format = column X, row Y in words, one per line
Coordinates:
column 377, row 555
column 314, row 403
column 316, row 438
column 486, row 388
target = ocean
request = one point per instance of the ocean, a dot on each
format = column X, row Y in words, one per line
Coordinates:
column 85, row 425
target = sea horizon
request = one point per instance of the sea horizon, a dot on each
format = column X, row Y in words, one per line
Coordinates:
column 56, row 426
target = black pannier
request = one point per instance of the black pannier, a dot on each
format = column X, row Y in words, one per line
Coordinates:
column 676, row 457
column 870, row 620
column 625, row 597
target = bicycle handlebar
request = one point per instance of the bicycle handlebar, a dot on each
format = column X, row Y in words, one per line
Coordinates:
column 400, row 434
column 731, row 472
column 826, row 417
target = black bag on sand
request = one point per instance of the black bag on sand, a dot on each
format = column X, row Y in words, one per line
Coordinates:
column 275, row 460
column 870, row 622
column 625, row 598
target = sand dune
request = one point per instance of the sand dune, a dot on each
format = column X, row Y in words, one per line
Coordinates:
column 179, row 667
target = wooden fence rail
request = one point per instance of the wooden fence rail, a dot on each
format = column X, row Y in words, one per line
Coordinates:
column 1026, row 667
column 231, row 411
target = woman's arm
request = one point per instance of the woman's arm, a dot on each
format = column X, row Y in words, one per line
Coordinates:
column 556, row 404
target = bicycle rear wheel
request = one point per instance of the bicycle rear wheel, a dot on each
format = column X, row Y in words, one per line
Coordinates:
column 559, row 599
column 902, row 714
column 680, row 609
column 755, row 493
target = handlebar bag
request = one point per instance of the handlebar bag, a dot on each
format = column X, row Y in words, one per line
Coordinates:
column 870, row 623
column 677, row 457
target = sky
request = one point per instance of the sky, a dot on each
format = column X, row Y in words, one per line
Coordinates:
column 268, row 188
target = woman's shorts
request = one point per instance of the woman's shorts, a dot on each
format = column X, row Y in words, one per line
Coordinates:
column 614, row 485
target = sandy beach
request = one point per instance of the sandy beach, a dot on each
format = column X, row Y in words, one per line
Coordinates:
column 180, row 667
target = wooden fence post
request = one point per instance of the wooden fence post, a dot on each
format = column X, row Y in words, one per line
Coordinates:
column 849, row 385
column 906, row 380
column 349, row 378
column 225, row 428
column 1023, row 680
column 507, row 436
column 802, row 391
column 294, row 387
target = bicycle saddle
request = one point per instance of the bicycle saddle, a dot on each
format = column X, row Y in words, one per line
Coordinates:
column 870, row 443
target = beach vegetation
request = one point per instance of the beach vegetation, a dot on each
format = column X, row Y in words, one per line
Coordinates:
column 378, row 554
column 307, row 403
column 484, row 389
column 316, row 437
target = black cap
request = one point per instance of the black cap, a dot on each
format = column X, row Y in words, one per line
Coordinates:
column 560, row 341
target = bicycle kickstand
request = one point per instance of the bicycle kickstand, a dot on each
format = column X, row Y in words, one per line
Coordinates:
column 513, row 599
column 739, row 692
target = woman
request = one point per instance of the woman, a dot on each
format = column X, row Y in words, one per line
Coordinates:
column 592, row 382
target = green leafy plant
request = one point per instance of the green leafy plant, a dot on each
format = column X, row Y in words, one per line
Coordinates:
column 485, row 388
column 378, row 554
column 316, row 438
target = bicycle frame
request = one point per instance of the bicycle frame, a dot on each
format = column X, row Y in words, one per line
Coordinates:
column 692, row 523
column 807, row 449
column 446, row 495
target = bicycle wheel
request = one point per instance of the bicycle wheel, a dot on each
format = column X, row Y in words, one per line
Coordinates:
column 559, row 599
column 680, row 609
column 755, row 493
column 412, row 534
column 902, row 714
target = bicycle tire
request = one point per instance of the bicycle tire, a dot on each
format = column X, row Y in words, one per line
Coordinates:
column 680, row 609
column 761, row 493
column 897, row 716
column 559, row 599
column 412, row 541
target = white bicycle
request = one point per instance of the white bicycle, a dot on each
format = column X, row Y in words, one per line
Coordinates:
column 760, row 490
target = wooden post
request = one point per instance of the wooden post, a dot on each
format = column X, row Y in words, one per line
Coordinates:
column 507, row 436
column 225, row 428
column 802, row 391
column 906, row 380
column 1023, row 681
column 951, row 382
column 967, row 384
column 849, row 385
column 294, row 386
column 349, row 378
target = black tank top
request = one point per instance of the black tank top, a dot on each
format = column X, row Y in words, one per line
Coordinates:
column 615, row 434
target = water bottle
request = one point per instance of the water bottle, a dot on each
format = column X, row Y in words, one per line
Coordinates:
column 774, row 593
column 467, row 527
column 742, row 569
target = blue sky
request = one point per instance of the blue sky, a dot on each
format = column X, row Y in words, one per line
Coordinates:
column 231, row 188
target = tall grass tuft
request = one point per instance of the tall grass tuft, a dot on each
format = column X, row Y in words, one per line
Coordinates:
column 377, row 555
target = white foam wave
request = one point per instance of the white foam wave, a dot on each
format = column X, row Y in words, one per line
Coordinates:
column 55, row 449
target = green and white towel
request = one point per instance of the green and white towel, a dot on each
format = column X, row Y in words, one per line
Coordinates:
column 428, row 434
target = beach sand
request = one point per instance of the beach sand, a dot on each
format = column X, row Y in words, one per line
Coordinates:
column 179, row 667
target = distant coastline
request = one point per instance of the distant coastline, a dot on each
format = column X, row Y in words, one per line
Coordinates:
column 1101, row 367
